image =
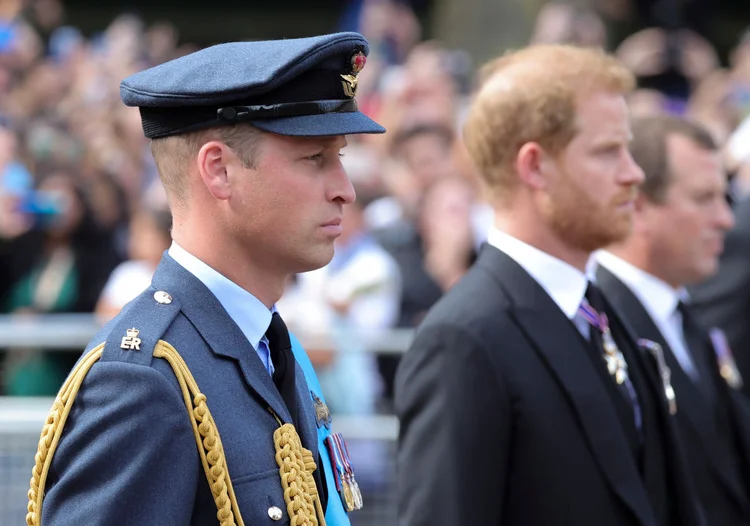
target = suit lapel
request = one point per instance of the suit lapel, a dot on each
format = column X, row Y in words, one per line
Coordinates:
column 217, row 328
column 693, row 406
column 560, row 345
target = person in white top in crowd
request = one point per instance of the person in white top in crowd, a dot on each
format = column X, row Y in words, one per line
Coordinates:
column 148, row 238
column 359, row 291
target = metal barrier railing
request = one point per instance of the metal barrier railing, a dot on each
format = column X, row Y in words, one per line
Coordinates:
column 371, row 442
column 26, row 415
column 66, row 331
column 371, row 438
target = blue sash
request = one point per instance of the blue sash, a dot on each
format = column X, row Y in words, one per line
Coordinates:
column 335, row 513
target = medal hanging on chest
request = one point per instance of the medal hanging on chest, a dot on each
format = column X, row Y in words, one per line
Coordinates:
column 617, row 367
column 616, row 364
column 346, row 484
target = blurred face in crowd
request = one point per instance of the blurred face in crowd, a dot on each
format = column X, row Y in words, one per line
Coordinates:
column 686, row 230
column 148, row 239
column 446, row 212
column 60, row 191
column 8, row 144
column 591, row 185
column 286, row 211
column 429, row 158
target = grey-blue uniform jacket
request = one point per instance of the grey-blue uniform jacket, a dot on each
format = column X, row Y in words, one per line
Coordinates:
column 128, row 454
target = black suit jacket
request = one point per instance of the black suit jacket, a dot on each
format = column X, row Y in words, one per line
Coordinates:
column 724, row 300
column 505, row 421
column 715, row 440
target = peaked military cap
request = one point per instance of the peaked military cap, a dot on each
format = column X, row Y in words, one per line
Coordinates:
column 299, row 87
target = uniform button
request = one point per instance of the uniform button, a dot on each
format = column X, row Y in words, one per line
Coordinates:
column 275, row 513
column 162, row 297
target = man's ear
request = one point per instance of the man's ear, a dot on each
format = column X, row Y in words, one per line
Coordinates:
column 214, row 159
column 532, row 164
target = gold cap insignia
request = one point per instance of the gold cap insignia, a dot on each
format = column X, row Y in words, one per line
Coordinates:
column 357, row 62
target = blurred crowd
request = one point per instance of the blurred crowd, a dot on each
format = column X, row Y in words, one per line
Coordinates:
column 83, row 216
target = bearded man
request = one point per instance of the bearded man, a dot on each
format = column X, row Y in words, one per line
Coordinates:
column 525, row 399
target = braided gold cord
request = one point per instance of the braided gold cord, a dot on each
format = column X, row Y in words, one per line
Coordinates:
column 204, row 428
column 206, row 436
column 214, row 455
column 296, row 466
column 51, row 432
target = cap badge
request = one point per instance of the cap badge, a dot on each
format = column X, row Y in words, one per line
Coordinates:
column 356, row 64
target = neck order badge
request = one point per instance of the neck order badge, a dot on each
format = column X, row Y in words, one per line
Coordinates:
column 616, row 365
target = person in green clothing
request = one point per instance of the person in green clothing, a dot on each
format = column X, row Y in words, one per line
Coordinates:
column 53, row 270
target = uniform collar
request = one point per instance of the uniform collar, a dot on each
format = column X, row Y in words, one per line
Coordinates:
column 247, row 311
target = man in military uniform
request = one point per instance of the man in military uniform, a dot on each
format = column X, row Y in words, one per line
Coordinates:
column 192, row 404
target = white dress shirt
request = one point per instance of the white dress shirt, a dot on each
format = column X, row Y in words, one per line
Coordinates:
column 565, row 284
column 660, row 301
column 247, row 311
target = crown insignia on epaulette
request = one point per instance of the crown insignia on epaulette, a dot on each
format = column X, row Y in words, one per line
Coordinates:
column 131, row 341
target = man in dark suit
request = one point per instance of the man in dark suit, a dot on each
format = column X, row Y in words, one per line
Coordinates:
column 192, row 405
column 679, row 224
column 523, row 399
column 723, row 300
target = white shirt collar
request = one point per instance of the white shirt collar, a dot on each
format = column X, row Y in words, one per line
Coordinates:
column 660, row 301
column 659, row 298
column 247, row 311
column 565, row 284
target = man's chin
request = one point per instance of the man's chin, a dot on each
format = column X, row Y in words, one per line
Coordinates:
column 605, row 238
column 315, row 261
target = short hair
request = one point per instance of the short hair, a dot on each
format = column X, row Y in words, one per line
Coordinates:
column 172, row 154
column 531, row 95
column 649, row 149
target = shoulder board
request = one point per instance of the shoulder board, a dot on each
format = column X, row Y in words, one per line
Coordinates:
column 139, row 327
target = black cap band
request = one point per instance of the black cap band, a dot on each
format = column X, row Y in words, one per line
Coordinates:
column 317, row 92
column 163, row 122
column 288, row 109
